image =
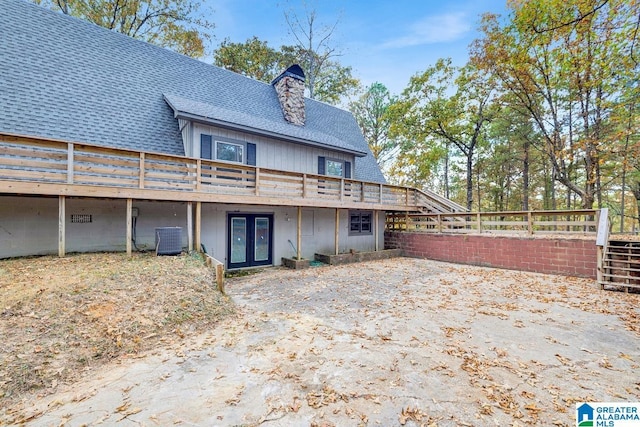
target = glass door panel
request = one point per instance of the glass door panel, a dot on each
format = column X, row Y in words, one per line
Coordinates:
column 262, row 245
column 238, row 240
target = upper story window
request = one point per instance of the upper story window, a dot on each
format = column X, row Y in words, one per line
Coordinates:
column 334, row 167
column 229, row 152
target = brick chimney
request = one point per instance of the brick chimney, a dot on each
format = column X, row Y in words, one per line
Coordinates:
column 290, row 89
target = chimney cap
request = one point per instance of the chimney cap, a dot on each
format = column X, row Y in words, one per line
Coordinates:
column 294, row 71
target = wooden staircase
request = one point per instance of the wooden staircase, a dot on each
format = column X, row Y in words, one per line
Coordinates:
column 620, row 268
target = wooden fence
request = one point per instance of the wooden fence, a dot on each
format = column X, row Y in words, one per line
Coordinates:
column 582, row 221
column 61, row 165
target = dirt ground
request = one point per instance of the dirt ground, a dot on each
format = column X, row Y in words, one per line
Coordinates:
column 395, row 342
column 61, row 318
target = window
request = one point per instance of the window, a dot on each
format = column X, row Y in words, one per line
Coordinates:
column 229, row 152
column 360, row 222
column 334, row 168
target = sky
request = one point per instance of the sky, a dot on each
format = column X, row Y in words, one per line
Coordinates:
column 383, row 41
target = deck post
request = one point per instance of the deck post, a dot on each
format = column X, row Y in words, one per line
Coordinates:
column 141, row 171
column 304, row 185
column 70, row 163
column 376, row 230
column 602, row 242
column 299, row 254
column 190, row 226
column 530, row 222
column 257, row 181
column 198, row 236
column 337, row 236
column 479, row 222
column 198, row 174
column 61, row 225
column 129, row 224
column 600, row 265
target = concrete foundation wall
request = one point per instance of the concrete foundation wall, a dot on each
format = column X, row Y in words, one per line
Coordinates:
column 571, row 257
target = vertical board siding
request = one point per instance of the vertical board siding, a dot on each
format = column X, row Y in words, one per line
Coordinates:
column 31, row 226
column 271, row 153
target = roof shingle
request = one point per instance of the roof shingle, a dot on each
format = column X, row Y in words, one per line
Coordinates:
column 68, row 79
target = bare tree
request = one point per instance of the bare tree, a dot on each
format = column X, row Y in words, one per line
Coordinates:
column 314, row 45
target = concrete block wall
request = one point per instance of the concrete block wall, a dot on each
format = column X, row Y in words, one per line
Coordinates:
column 570, row 257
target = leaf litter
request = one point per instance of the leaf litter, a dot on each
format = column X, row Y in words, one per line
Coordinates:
column 60, row 318
column 415, row 342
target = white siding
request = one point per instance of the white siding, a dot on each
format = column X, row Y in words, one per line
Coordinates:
column 186, row 127
column 317, row 237
column 29, row 226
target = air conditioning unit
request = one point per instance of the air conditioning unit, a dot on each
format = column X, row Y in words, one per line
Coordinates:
column 168, row 240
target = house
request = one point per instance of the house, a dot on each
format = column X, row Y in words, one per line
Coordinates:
column 585, row 415
column 105, row 141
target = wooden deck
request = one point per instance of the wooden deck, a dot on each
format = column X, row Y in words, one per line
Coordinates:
column 39, row 166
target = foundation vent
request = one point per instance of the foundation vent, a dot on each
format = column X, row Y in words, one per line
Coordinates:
column 81, row 218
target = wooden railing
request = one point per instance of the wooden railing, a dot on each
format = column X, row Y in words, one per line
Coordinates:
column 584, row 221
column 35, row 165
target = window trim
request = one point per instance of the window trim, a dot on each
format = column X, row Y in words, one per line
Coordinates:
column 249, row 154
column 361, row 214
column 237, row 144
column 326, row 167
column 323, row 167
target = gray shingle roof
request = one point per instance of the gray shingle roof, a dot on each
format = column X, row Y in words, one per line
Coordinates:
column 238, row 119
column 64, row 78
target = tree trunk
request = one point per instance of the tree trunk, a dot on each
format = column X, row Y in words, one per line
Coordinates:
column 525, row 177
column 478, row 186
column 446, row 175
column 469, row 180
column 635, row 189
column 624, row 173
column 553, row 191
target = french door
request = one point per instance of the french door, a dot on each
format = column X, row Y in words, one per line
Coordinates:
column 250, row 240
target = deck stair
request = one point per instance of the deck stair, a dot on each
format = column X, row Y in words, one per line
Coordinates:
column 620, row 265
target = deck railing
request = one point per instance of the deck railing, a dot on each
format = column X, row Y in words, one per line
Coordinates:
column 583, row 221
column 78, row 169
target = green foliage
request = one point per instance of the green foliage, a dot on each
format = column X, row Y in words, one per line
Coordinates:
column 508, row 168
column 448, row 106
column 371, row 111
column 166, row 23
column 253, row 58
column 334, row 82
column 566, row 64
column 256, row 59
